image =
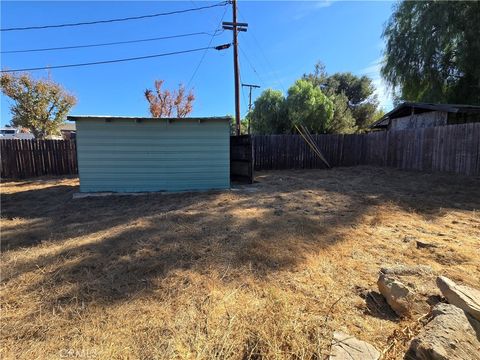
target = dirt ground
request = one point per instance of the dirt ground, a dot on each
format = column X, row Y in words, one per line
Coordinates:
column 265, row 271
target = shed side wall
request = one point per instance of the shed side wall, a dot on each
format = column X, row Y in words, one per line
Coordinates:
column 422, row 120
column 153, row 155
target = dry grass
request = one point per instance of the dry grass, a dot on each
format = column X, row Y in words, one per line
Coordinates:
column 262, row 272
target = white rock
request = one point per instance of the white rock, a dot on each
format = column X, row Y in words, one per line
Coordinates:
column 347, row 347
column 464, row 297
column 409, row 290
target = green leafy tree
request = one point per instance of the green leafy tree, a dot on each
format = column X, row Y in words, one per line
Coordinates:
column 243, row 126
column 356, row 91
column 308, row 105
column 378, row 114
column 268, row 115
column 319, row 76
column 432, row 51
column 343, row 121
column 305, row 104
column 38, row 105
column 360, row 93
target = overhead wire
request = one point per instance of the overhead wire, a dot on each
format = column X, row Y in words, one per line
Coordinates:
column 205, row 52
column 243, row 96
column 267, row 62
column 250, row 63
column 140, row 17
column 111, row 61
column 109, row 43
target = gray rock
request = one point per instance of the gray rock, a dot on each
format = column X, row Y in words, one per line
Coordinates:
column 346, row 347
column 451, row 335
column 408, row 289
column 464, row 297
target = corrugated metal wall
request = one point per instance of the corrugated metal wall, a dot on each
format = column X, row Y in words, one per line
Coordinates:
column 153, row 155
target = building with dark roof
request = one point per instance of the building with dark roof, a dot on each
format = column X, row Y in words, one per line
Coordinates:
column 410, row 115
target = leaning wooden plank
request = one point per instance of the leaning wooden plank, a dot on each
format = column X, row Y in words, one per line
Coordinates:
column 316, row 146
column 313, row 146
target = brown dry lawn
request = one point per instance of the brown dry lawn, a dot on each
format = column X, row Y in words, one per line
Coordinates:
column 267, row 271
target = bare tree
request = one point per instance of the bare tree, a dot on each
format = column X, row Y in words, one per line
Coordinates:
column 164, row 103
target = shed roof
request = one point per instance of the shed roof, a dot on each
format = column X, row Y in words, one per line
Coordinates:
column 406, row 108
column 137, row 118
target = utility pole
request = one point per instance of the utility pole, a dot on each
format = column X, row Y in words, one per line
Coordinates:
column 236, row 27
column 250, row 86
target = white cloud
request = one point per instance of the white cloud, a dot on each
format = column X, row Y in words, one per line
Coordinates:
column 323, row 4
column 310, row 7
column 373, row 71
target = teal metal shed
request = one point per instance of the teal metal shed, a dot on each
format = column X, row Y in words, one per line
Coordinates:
column 134, row 154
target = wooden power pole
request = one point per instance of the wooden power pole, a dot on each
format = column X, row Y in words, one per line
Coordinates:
column 236, row 27
column 250, row 86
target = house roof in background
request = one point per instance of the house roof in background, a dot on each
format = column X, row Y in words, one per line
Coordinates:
column 406, row 108
column 136, row 118
column 68, row 127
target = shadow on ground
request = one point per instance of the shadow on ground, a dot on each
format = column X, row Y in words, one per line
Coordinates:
column 110, row 248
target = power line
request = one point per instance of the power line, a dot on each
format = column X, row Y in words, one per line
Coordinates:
column 205, row 52
column 220, row 47
column 109, row 43
column 267, row 62
column 251, row 65
column 250, row 87
column 244, row 98
column 236, row 27
column 223, row 3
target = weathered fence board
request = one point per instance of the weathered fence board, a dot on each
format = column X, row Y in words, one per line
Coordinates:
column 21, row 159
column 451, row 148
column 241, row 158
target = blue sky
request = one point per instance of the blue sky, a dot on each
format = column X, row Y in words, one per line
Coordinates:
column 284, row 40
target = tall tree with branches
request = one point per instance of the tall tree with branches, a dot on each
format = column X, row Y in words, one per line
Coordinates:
column 356, row 105
column 40, row 105
column 164, row 103
column 432, row 51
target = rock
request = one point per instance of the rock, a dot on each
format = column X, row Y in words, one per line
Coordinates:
column 408, row 289
column 425, row 245
column 346, row 347
column 451, row 335
column 464, row 297
column 398, row 296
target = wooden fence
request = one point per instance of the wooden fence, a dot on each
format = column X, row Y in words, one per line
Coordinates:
column 21, row 159
column 241, row 159
column 451, row 148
